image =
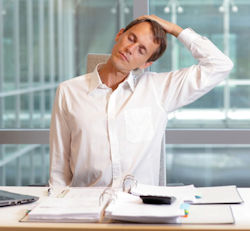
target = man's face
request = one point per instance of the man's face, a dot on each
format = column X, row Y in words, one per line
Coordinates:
column 133, row 48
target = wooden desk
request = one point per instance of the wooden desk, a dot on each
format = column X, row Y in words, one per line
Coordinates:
column 9, row 217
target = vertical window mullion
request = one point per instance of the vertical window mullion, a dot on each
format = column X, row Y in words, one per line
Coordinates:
column 43, row 163
column 226, row 25
column 51, row 50
column 2, row 168
column 41, row 60
column 17, row 59
column 60, row 40
column 120, row 15
column 140, row 8
column 1, row 66
column 17, row 79
column 1, row 56
column 18, row 171
column 30, row 58
column 68, row 39
column 32, row 167
column 174, row 50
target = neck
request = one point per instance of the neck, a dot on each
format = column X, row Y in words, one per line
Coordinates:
column 111, row 76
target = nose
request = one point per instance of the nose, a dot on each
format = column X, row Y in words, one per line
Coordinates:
column 130, row 48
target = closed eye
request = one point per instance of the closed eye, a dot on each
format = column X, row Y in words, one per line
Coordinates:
column 131, row 38
column 142, row 50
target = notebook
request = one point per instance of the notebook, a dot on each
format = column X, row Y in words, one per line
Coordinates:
column 9, row 198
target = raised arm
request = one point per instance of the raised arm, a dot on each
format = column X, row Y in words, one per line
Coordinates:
column 180, row 87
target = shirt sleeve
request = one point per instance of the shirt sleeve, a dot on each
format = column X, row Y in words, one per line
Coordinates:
column 60, row 172
column 181, row 87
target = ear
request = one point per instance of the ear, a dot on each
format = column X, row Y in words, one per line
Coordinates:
column 145, row 65
column 119, row 34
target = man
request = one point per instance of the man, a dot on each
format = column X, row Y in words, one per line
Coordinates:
column 110, row 123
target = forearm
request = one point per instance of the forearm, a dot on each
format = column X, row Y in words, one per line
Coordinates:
column 181, row 87
column 207, row 54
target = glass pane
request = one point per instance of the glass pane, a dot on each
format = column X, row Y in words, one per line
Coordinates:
column 240, row 96
column 43, row 43
column 208, row 165
column 226, row 23
column 24, row 164
column 46, row 42
column 239, row 27
column 96, row 34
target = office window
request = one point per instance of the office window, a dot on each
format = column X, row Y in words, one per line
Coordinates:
column 24, row 164
column 42, row 43
column 206, row 165
column 226, row 23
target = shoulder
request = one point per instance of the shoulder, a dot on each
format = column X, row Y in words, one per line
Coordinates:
column 79, row 82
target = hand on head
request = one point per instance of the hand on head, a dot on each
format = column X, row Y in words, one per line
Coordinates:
column 168, row 27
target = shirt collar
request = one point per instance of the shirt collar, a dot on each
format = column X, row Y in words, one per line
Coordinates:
column 132, row 78
column 95, row 80
column 130, row 81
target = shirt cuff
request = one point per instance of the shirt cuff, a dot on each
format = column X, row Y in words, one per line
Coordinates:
column 187, row 36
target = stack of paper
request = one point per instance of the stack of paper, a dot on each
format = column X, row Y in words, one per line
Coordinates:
column 128, row 207
column 186, row 193
column 208, row 204
column 62, row 209
column 83, row 205
column 78, row 205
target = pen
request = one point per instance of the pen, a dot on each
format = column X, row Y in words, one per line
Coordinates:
column 63, row 193
column 25, row 215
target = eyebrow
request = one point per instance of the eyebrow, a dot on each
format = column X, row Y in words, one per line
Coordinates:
column 141, row 46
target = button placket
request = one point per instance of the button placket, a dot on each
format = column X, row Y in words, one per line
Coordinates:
column 114, row 144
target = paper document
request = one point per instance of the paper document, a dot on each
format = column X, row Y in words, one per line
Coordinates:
column 66, row 210
column 84, row 192
column 127, row 207
column 218, row 195
column 209, row 214
column 77, row 205
column 186, row 193
column 92, row 204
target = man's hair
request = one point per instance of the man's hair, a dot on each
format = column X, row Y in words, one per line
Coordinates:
column 159, row 36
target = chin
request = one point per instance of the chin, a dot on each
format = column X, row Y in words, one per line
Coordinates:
column 120, row 66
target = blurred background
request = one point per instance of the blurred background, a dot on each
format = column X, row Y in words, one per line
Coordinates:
column 44, row 42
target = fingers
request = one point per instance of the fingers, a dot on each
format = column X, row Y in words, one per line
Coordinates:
column 169, row 27
column 159, row 20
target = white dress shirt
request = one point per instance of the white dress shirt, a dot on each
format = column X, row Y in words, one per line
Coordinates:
column 98, row 136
